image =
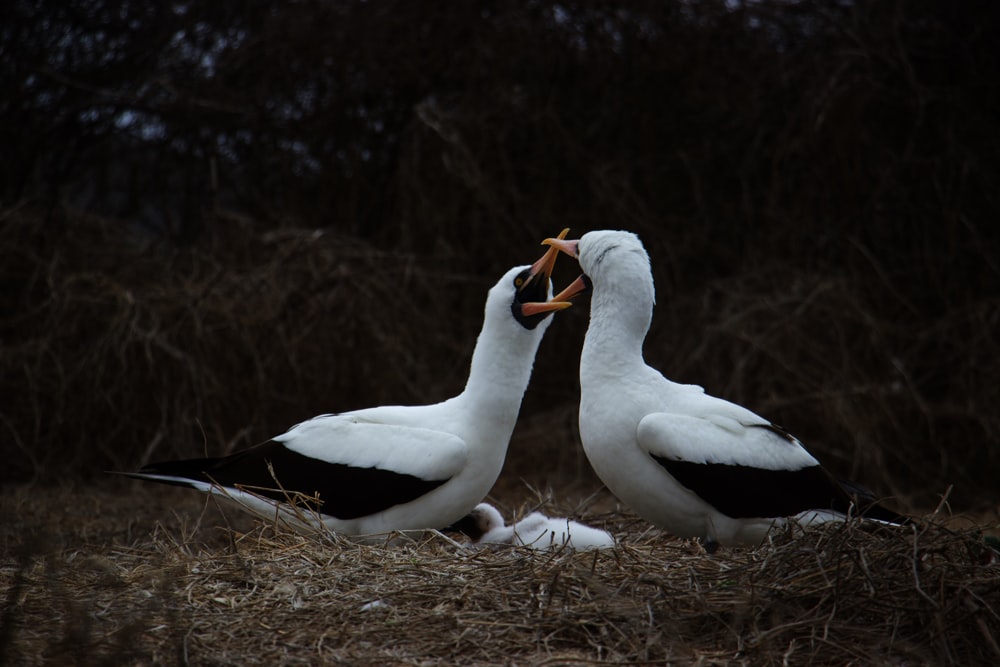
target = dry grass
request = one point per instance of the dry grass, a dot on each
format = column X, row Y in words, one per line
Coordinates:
column 107, row 588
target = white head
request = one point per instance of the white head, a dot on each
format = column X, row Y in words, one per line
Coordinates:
column 605, row 255
column 616, row 267
column 516, row 317
column 608, row 258
column 527, row 307
column 525, row 293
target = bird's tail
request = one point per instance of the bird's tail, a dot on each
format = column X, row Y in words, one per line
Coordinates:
column 868, row 506
column 189, row 473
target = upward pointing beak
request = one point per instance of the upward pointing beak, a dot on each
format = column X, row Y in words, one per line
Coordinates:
column 542, row 271
column 571, row 248
column 546, row 263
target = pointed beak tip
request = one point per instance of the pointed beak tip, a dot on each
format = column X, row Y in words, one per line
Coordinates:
column 546, row 264
column 558, row 237
column 537, row 308
column 560, row 244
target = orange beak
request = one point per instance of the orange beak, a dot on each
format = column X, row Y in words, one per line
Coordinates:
column 546, row 262
column 578, row 286
column 571, row 248
column 536, row 307
column 543, row 267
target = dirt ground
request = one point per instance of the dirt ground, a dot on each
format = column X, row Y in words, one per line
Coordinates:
column 133, row 574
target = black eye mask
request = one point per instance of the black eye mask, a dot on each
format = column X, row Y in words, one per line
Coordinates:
column 529, row 290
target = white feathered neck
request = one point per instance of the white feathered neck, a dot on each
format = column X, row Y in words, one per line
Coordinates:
column 621, row 306
column 503, row 357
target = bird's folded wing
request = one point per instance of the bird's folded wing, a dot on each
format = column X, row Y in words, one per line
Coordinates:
column 339, row 466
column 743, row 471
column 424, row 453
column 342, row 466
column 720, row 440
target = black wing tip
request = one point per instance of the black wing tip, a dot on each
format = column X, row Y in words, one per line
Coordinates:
column 193, row 469
column 868, row 506
column 744, row 492
column 184, row 472
column 151, row 476
column 881, row 513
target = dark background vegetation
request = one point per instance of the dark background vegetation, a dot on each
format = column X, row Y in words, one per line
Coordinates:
column 219, row 219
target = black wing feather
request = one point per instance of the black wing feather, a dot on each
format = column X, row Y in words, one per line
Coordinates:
column 334, row 489
column 744, row 492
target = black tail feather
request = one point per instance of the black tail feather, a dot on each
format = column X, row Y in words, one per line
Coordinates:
column 866, row 504
column 142, row 474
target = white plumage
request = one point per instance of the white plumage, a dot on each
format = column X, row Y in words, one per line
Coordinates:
column 395, row 467
column 691, row 463
column 536, row 530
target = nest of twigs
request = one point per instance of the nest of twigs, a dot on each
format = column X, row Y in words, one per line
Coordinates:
column 842, row 594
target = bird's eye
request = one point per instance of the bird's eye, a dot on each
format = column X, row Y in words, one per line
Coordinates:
column 518, row 281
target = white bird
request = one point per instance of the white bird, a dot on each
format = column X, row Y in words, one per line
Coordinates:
column 485, row 525
column 688, row 462
column 395, row 468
